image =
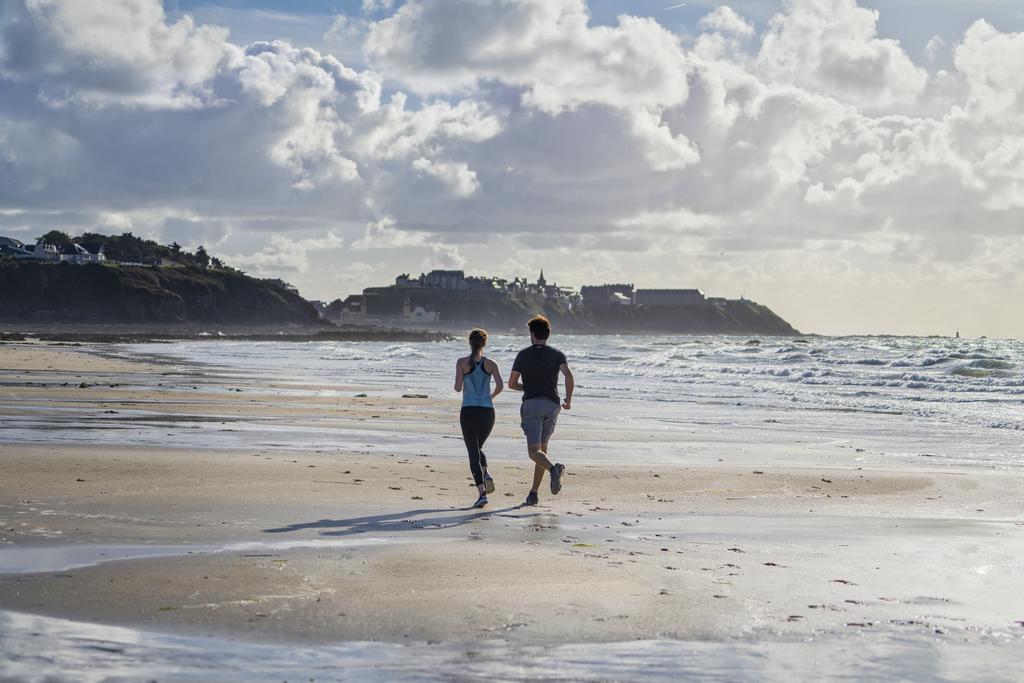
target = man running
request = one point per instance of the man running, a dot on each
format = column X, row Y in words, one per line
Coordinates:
column 538, row 367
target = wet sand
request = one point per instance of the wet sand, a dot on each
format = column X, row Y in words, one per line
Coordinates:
column 311, row 547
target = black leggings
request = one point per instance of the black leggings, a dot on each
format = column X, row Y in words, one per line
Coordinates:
column 477, row 423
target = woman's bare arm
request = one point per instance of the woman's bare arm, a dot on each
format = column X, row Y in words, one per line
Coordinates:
column 458, row 374
column 499, row 385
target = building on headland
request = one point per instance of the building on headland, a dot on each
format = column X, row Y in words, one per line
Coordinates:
column 76, row 253
column 445, row 279
column 350, row 310
column 40, row 251
column 455, row 281
column 448, row 295
column 668, row 297
column 11, row 246
column 603, row 295
column 71, row 252
column 51, row 253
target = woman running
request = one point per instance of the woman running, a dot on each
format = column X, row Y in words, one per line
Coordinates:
column 473, row 375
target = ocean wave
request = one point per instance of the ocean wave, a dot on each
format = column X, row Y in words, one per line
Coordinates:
column 974, row 373
column 991, row 364
column 402, row 352
column 610, row 358
column 1016, row 426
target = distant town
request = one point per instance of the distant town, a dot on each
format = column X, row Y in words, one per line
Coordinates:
column 423, row 299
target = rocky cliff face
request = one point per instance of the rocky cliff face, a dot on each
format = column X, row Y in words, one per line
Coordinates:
column 461, row 309
column 104, row 293
column 731, row 317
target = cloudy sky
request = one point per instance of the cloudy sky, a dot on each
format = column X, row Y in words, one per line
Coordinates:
column 857, row 165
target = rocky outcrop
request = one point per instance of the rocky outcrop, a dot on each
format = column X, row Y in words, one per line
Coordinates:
column 730, row 317
column 461, row 309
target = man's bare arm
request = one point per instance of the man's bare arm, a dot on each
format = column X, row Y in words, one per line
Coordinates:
column 513, row 381
column 570, row 385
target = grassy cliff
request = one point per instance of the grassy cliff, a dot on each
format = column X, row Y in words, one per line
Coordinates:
column 144, row 294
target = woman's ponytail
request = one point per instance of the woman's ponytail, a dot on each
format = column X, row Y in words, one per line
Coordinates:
column 477, row 341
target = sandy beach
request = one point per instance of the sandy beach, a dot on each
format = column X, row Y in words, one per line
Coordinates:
column 323, row 547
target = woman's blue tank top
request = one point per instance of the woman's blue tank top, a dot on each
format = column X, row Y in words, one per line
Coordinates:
column 476, row 386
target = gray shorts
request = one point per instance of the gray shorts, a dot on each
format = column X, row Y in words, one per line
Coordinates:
column 539, row 416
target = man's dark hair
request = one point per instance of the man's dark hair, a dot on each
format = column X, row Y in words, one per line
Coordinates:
column 540, row 327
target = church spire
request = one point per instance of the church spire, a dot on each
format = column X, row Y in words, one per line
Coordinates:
column 541, row 282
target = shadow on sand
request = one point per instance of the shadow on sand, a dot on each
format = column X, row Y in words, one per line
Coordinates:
column 410, row 520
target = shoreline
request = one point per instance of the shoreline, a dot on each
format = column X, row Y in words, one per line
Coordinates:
column 135, row 334
column 313, row 548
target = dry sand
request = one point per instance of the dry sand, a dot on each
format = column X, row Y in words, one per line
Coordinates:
column 313, row 547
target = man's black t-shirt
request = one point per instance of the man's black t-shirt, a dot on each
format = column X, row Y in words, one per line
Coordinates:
column 538, row 365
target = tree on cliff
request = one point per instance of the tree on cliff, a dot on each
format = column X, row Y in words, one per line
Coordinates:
column 125, row 247
column 56, row 238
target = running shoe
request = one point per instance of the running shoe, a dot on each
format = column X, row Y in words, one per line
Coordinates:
column 556, row 477
column 488, row 484
column 481, row 501
column 531, row 499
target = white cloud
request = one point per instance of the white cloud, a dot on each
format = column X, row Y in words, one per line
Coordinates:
column 934, row 47
column 456, row 176
column 382, row 234
column 544, row 46
column 444, row 257
column 724, row 19
column 988, row 131
column 370, row 6
column 663, row 150
column 397, row 132
column 111, row 51
column 284, row 254
column 345, row 32
column 831, row 47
